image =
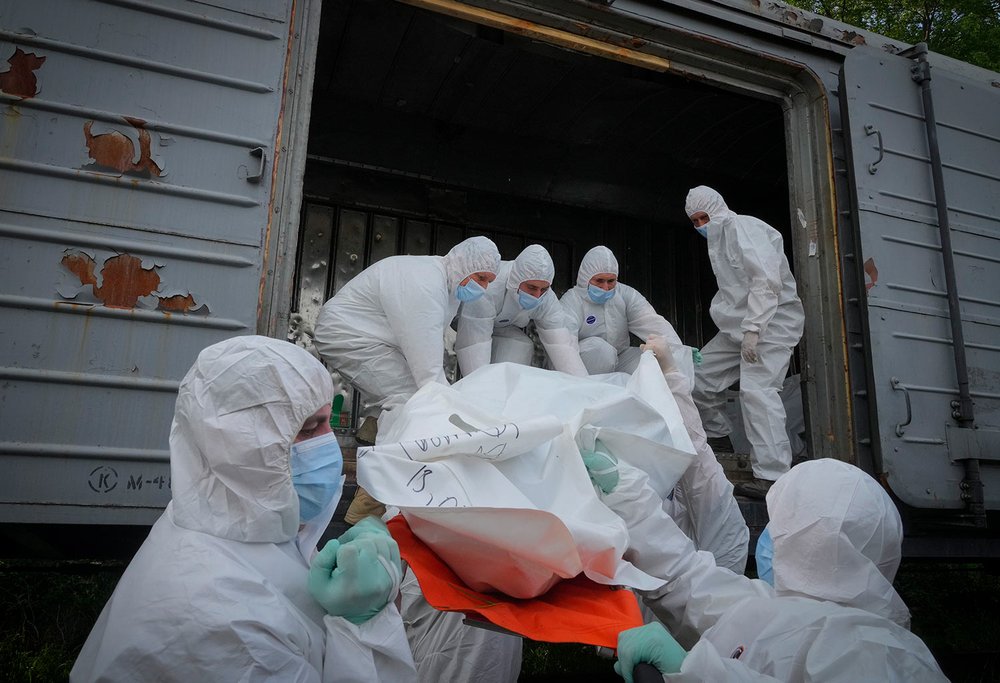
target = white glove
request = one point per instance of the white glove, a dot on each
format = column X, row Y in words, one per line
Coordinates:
column 748, row 349
column 658, row 345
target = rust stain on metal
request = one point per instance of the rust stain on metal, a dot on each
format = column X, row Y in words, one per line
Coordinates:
column 631, row 42
column 852, row 37
column 115, row 151
column 871, row 274
column 123, row 279
column 82, row 266
column 787, row 15
column 20, row 80
column 179, row 303
column 608, row 46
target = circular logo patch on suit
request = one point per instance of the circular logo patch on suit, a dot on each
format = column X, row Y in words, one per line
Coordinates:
column 591, row 319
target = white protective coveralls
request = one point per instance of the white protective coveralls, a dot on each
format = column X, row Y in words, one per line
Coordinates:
column 603, row 329
column 490, row 329
column 702, row 504
column 832, row 615
column 218, row 589
column 446, row 649
column 756, row 294
column 384, row 330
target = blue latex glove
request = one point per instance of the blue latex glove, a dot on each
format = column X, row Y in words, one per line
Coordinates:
column 602, row 467
column 355, row 580
column 652, row 644
column 696, row 356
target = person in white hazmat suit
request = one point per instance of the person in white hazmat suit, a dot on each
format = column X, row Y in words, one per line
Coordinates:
column 702, row 503
column 760, row 320
column 222, row 588
column 602, row 312
column 447, row 649
column 824, row 610
column 491, row 329
column 384, row 330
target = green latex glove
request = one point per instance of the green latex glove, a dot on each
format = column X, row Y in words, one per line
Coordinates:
column 650, row 643
column 696, row 356
column 602, row 467
column 369, row 526
column 355, row 580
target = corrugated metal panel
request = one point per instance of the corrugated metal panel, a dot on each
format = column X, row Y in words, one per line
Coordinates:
column 131, row 230
column 910, row 337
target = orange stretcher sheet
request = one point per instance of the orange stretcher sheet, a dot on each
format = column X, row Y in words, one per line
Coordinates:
column 574, row 611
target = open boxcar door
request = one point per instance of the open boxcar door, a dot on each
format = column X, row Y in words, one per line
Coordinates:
column 921, row 448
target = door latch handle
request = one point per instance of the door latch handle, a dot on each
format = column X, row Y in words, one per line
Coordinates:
column 258, row 152
column 872, row 130
column 899, row 386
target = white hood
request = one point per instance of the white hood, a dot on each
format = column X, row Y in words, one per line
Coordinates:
column 474, row 255
column 704, row 198
column 238, row 410
column 534, row 263
column 837, row 536
column 597, row 260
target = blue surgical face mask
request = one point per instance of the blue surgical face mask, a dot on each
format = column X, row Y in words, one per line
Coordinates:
column 598, row 295
column 470, row 291
column 527, row 301
column 316, row 468
column 764, row 555
column 703, row 231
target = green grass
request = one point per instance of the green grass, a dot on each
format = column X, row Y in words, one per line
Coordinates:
column 550, row 662
column 954, row 608
column 46, row 611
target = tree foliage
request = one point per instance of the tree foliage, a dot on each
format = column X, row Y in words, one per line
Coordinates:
column 964, row 29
